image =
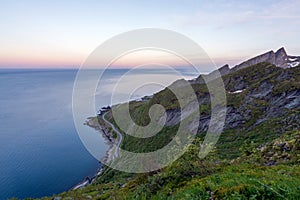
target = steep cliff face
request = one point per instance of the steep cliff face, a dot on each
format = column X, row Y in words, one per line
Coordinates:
column 262, row 99
column 260, row 93
column 266, row 57
column 278, row 58
column 261, row 130
column 263, row 102
column 255, row 95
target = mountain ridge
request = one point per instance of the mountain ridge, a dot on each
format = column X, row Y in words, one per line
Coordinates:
column 260, row 138
column 279, row 58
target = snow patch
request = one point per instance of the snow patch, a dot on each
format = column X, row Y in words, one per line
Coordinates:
column 236, row 92
column 293, row 59
column 294, row 64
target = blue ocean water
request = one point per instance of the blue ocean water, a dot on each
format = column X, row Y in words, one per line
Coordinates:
column 40, row 151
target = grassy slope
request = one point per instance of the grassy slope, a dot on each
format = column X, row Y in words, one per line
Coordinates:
column 245, row 177
column 234, row 170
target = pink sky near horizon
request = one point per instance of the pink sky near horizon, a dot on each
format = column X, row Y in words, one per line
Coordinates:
column 75, row 61
column 62, row 34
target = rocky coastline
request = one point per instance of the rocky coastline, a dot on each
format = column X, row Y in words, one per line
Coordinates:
column 104, row 130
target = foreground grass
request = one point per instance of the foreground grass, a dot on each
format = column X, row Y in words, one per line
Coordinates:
column 244, row 181
column 245, row 177
column 236, row 181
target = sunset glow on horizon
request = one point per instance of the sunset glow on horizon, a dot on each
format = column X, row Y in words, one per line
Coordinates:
column 61, row 34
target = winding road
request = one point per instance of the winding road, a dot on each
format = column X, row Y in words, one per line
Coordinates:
column 116, row 153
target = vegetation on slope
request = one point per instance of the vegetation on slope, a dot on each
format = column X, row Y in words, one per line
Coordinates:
column 256, row 157
column 246, row 177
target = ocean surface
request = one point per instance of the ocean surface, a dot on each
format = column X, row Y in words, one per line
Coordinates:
column 40, row 151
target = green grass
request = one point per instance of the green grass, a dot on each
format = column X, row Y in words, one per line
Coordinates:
column 243, row 181
column 190, row 177
column 158, row 141
column 235, row 169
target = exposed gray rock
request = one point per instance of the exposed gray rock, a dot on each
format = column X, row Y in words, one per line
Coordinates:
column 259, row 121
column 240, row 84
column 266, row 57
column 256, row 96
column 276, row 106
column 263, row 90
column 173, row 117
column 271, row 163
column 234, row 118
column 203, row 124
column 294, row 100
column 224, row 70
column 211, row 76
column 221, row 71
column 279, row 58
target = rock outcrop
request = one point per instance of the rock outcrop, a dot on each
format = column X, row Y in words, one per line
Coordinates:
column 255, row 95
column 278, row 58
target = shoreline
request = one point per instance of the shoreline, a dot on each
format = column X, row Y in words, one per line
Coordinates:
column 93, row 122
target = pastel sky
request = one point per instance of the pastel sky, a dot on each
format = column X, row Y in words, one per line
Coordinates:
column 62, row 34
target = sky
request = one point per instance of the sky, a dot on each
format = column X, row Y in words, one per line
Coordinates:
column 61, row 34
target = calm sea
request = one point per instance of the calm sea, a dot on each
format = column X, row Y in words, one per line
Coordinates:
column 40, row 151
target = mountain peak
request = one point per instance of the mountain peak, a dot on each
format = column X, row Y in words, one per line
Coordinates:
column 281, row 50
column 279, row 58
